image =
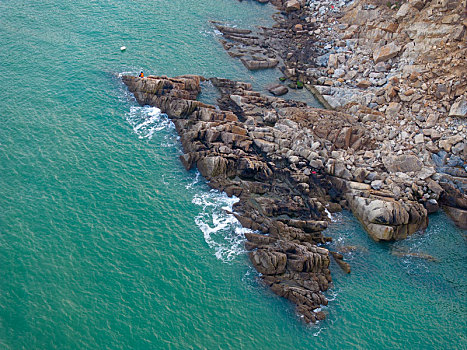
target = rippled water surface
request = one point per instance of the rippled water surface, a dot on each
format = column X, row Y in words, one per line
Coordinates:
column 106, row 242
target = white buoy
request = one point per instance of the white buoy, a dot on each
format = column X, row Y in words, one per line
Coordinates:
column 123, row 48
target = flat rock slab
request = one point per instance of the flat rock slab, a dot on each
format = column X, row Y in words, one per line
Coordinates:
column 403, row 163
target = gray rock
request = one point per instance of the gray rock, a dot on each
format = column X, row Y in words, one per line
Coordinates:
column 459, row 108
column 376, row 184
column 426, row 172
column 403, row 163
column 458, row 148
column 419, row 138
column 338, row 73
column 278, row 90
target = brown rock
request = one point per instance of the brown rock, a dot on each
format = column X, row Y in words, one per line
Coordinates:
column 384, row 53
column 292, row 5
column 458, row 215
column 363, row 84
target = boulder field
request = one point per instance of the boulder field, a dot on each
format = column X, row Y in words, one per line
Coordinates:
column 399, row 67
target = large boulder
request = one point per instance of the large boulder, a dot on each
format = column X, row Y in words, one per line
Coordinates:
column 252, row 64
column 292, row 5
column 278, row 90
column 458, row 215
column 459, row 108
column 386, row 52
column 402, row 163
column 387, row 219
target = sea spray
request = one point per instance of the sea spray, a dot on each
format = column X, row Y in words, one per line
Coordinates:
column 222, row 231
column 146, row 121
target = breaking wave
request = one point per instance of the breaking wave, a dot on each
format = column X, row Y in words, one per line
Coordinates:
column 146, row 121
column 221, row 230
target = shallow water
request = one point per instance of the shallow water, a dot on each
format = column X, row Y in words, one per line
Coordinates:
column 107, row 242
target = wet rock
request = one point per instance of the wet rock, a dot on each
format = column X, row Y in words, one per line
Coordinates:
column 405, row 253
column 245, row 159
column 268, row 262
column 431, row 206
column 339, row 260
column 278, row 90
column 252, row 64
column 458, row 215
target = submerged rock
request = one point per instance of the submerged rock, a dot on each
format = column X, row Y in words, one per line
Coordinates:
column 278, row 90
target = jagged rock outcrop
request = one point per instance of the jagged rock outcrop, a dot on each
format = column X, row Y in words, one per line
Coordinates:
column 240, row 153
column 286, row 162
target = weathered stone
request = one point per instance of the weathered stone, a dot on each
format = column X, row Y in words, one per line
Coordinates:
column 278, row 90
column 425, row 173
column 419, row 139
column 431, row 206
column 393, row 109
column 332, row 61
column 210, row 167
column 404, row 10
column 292, row 5
column 384, row 53
column 402, row 163
column 449, row 142
column 363, row 84
column 459, row 108
column 269, row 262
column 260, row 64
column 458, row 215
column 265, row 146
column 376, row 184
column 418, row 4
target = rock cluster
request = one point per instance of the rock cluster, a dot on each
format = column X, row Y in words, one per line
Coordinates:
column 288, row 164
column 239, row 149
column 401, row 70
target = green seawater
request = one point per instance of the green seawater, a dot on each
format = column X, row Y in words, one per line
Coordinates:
column 106, row 242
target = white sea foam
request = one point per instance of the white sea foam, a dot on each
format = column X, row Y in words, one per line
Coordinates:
column 194, row 181
column 222, row 231
column 319, row 330
column 146, row 121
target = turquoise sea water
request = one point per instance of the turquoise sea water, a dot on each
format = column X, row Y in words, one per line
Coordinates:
column 106, row 242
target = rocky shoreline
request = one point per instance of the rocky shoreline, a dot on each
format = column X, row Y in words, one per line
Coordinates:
column 377, row 153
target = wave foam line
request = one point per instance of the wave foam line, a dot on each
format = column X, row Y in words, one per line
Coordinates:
column 146, row 121
column 222, row 231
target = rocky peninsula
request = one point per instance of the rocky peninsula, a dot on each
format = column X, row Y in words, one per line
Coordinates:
column 391, row 146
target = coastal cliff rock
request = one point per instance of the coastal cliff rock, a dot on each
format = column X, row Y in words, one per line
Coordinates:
column 287, row 162
column 239, row 153
column 393, row 149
